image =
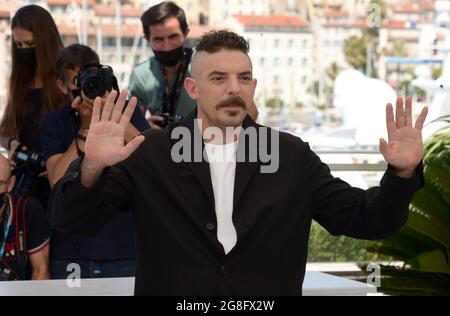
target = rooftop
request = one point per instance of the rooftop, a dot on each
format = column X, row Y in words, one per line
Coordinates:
column 274, row 20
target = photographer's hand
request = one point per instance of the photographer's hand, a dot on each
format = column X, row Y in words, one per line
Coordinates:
column 43, row 174
column 12, row 150
column 84, row 109
column 153, row 120
column 104, row 146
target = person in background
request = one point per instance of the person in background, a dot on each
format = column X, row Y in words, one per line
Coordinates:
column 157, row 83
column 110, row 252
column 32, row 93
column 24, row 233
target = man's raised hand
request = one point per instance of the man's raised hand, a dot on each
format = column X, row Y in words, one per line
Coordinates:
column 105, row 144
column 404, row 148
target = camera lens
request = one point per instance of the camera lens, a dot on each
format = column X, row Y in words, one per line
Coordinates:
column 93, row 87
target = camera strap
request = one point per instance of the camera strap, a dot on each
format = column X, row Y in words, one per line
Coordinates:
column 171, row 96
column 18, row 213
column 6, row 226
column 21, row 237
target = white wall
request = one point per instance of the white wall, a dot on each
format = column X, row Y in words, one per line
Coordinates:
column 220, row 10
column 283, row 64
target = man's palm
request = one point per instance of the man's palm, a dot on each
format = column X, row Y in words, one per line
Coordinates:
column 105, row 144
column 405, row 148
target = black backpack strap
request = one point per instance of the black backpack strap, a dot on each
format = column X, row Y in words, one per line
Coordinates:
column 170, row 103
column 21, row 236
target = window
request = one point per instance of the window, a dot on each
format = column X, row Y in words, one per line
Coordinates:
column 305, row 43
column 276, row 62
column 109, row 41
column 263, row 43
column 127, row 41
column 276, row 43
column 291, row 43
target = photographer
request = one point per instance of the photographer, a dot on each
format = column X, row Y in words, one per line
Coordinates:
column 158, row 83
column 24, row 233
column 64, row 130
column 32, row 93
column 109, row 253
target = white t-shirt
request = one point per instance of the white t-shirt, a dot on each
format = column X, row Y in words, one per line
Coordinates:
column 222, row 164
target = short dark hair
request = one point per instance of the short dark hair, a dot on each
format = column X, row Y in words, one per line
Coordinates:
column 75, row 55
column 214, row 41
column 159, row 13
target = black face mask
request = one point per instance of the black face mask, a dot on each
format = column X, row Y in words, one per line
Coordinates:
column 170, row 58
column 28, row 57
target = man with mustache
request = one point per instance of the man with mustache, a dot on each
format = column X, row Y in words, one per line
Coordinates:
column 224, row 227
column 158, row 82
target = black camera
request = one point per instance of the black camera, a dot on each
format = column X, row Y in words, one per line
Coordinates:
column 28, row 166
column 29, row 160
column 168, row 119
column 96, row 80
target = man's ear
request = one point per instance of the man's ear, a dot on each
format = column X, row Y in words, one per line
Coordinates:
column 255, row 83
column 62, row 86
column 12, row 182
column 191, row 88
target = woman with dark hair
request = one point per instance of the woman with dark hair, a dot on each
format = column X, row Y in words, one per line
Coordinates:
column 32, row 93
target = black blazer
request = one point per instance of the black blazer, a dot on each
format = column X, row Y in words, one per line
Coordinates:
column 177, row 248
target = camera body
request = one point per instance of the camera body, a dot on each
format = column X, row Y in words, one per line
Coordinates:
column 168, row 119
column 29, row 165
column 96, row 80
column 29, row 160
